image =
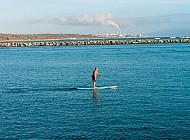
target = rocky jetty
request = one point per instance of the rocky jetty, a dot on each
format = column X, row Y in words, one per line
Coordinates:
column 101, row 42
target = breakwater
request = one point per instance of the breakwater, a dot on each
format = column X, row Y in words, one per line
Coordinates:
column 99, row 42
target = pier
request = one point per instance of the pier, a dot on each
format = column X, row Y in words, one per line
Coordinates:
column 89, row 42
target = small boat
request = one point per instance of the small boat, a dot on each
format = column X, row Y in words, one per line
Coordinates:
column 157, row 38
column 185, row 37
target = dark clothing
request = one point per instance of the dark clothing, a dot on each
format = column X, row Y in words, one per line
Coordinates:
column 93, row 78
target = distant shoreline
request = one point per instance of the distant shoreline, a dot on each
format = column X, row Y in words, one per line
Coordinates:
column 37, row 37
column 50, row 37
column 31, row 37
column 27, row 40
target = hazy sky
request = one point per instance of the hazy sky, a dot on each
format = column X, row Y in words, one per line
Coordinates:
column 93, row 16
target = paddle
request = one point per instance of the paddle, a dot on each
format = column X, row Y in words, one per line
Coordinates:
column 90, row 82
column 87, row 83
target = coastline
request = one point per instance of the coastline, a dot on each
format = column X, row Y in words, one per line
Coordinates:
column 27, row 40
column 36, row 37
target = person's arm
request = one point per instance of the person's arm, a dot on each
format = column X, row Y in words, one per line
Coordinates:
column 98, row 74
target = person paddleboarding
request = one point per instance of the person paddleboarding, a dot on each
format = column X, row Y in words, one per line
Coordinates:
column 95, row 73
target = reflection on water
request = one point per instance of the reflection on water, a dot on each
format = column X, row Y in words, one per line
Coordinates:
column 97, row 109
column 95, row 96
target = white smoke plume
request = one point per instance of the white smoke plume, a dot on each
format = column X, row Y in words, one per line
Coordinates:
column 100, row 19
column 107, row 20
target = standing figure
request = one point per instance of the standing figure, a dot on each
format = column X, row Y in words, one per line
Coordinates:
column 95, row 73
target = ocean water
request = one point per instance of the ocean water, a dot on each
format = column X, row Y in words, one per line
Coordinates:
column 152, row 101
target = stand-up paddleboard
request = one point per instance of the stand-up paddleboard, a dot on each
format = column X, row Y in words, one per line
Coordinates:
column 106, row 87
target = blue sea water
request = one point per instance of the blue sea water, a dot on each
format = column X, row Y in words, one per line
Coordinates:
column 152, row 101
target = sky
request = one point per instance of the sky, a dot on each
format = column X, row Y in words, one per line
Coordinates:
column 95, row 16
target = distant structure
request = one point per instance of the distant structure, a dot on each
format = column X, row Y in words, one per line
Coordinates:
column 119, row 34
